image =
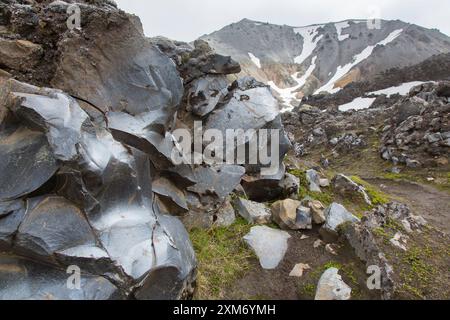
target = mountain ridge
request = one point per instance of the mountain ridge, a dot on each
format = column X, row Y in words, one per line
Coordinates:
column 300, row 61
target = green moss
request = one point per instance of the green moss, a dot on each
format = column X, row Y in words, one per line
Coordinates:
column 308, row 290
column 223, row 257
column 381, row 233
column 394, row 225
column 326, row 196
column 417, row 274
column 376, row 196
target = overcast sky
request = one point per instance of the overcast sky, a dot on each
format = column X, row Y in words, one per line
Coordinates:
column 189, row 19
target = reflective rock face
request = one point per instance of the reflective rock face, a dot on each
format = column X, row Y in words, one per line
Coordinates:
column 90, row 193
column 89, row 203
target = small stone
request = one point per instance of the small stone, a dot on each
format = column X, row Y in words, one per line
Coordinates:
column 347, row 187
column 332, row 287
column 304, row 219
column 334, row 141
column 318, row 243
column 304, row 237
column 399, row 241
column 299, row 269
column 324, row 183
column 332, row 249
column 317, row 211
column 314, row 180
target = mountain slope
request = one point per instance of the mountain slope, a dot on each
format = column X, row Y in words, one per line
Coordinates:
column 298, row 61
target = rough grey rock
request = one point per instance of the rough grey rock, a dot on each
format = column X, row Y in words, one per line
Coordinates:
column 332, row 287
column 173, row 195
column 11, row 215
column 347, row 187
column 336, row 215
column 304, row 218
column 145, row 81
column 52, row 224
column 225, row 216
column 270, row 245
column 58, row 115
column 206, row 93
column 218, row 180
column 253, row 212
column 314, row 180
column 360, row 236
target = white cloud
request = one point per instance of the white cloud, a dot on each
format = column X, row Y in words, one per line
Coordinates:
column 189, row 19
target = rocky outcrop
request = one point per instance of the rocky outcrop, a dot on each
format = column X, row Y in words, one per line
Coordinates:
column 361, row 238
column 418, row 131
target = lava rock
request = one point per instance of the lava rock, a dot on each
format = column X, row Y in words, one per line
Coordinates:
column 27, row 152
column 253, row 212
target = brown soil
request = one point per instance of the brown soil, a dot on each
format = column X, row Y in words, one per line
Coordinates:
column 276, row 284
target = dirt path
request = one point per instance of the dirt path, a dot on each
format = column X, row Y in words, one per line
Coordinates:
column 424, row 200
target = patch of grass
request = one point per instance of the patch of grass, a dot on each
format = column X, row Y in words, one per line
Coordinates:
column 308, row 290
column 326, row 196
column 222, row 256
column 383, row 234
column 376, row 196
column 417, row 273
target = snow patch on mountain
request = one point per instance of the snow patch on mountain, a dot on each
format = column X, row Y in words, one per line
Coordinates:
column 310, row 40
column 357, row 104
column 341, row 26
column 255, row 60
column 288, row 95
column 343, row 70
column 402, row 89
